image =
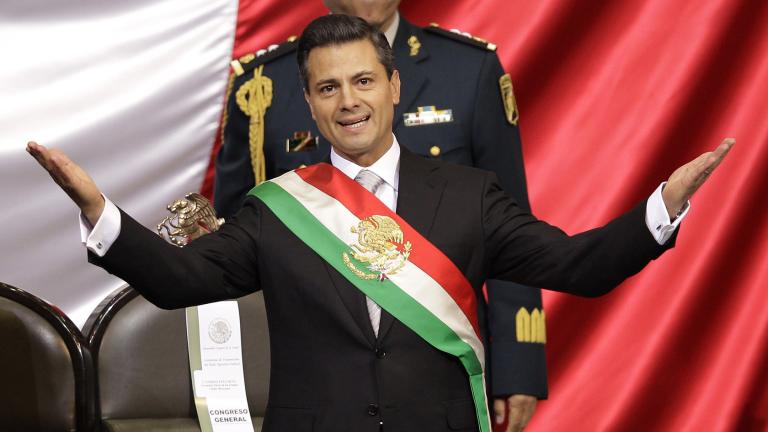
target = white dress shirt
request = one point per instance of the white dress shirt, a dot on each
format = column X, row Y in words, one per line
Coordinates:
column 387, row 167
column 99, row 238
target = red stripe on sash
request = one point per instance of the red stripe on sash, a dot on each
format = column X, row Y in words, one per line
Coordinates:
column 424, row 254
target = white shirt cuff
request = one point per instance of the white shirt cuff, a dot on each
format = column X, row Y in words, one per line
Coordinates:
column 657, row 219
column 99, row 238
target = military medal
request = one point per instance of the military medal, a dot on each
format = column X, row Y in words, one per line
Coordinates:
column 301, row 141
column 428, row 115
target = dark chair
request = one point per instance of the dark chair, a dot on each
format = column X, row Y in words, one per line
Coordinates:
column 46, row 374
column 142, row 367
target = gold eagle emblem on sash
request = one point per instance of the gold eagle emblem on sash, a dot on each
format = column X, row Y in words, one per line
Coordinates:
column 379, row 247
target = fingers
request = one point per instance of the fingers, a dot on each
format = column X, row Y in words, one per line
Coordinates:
column 40, row 153
column 71, row 178
column 55, row 162
column 521, row 409
column 708, row 162
column 686, row 180
column 719, row 154
column 516, row 413
column 725, row 145
column 48, row 159
column 44, row 157
column 499, row 410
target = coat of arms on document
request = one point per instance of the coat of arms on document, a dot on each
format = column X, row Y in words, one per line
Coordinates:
column 379, row 247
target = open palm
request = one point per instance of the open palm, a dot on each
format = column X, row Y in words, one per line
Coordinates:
column 71, row 178
column 687, row 179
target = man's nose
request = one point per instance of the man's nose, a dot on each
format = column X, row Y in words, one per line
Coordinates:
column 349, row 99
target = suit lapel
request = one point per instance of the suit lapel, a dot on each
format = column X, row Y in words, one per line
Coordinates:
column 412, row 77
column 419, row 191
column 419, row 194
column 354, row 300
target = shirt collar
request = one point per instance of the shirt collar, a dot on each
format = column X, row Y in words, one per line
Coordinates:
column 387, row 167
column 391, row 31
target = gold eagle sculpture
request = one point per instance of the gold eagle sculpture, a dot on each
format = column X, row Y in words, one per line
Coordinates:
column 191, row 217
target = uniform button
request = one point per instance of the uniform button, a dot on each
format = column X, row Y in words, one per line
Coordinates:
column 99, row 245
column 373, row 409
column 380, row 353
column 434, row 151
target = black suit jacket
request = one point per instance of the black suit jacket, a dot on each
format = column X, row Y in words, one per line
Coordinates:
column 448, row 71
column 329, row 372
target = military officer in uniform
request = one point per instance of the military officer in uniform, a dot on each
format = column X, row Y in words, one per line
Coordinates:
column 456, row 105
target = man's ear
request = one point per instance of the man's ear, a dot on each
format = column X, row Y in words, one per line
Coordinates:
column 306, row 98
column 394, row 82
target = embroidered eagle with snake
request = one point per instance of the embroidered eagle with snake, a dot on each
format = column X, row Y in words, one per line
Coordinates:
column 379, row 247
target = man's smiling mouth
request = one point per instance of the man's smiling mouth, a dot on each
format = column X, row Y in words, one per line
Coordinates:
column 355, row 122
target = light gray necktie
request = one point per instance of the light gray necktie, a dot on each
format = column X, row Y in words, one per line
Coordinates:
column 372, row 182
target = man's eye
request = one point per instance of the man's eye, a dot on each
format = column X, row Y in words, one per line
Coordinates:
column 365, row 81
column 326, row 89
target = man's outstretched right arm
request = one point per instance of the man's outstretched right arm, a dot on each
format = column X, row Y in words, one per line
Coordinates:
column 212, row 268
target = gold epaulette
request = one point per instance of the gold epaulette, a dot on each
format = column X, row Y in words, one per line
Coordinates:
column 461, row 36
column 251, row 61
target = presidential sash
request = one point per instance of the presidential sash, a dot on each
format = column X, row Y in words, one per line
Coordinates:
column 386, row 259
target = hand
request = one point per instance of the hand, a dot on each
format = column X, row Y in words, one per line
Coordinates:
column 71, row 178
column 687, row 179
column 520, row 409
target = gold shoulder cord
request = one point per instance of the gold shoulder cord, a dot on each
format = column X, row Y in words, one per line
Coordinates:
column 225, row 114
column 253, row 98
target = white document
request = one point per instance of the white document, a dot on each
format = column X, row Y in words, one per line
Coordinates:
column 216, row 362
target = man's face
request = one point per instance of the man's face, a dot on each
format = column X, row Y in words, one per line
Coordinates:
column 352, row 100
column 378, row 13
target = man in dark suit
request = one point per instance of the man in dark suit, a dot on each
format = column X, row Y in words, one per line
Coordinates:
column 332, row 368
column 456, row 105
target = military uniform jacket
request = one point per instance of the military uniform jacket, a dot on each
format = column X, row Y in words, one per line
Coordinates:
column 328, row 370
column 438, row 69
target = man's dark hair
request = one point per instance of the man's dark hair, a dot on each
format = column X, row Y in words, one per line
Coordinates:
column 336, row 29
